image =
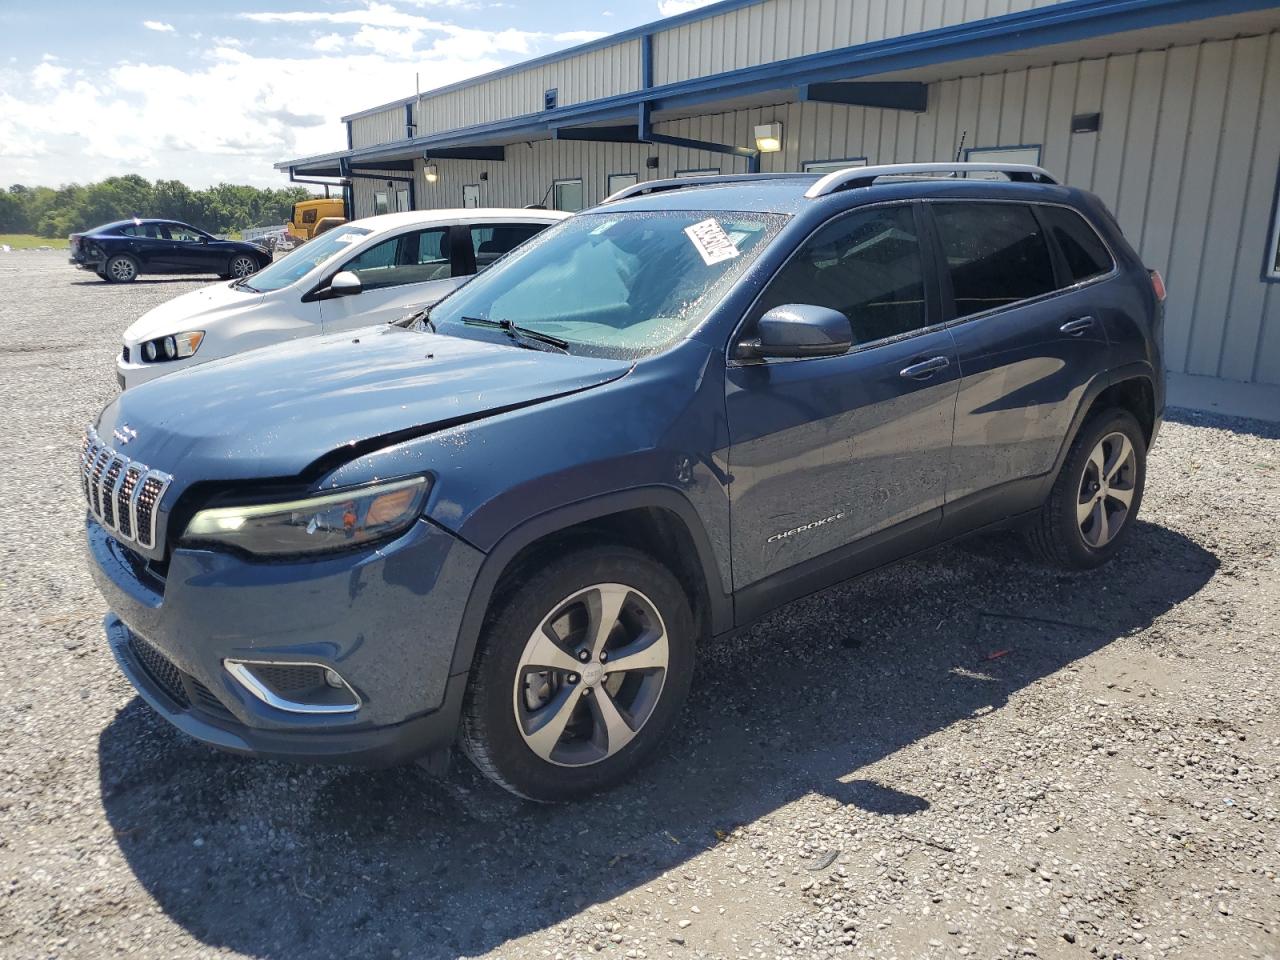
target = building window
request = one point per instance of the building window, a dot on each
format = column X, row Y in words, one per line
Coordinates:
column 831, row 166
column 1028, row 154
column 1272, row 265
column 700, row 172
column 620, row 181
column 470, row 196
column 568, row 195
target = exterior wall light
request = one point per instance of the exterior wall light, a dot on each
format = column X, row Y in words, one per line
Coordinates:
column 431, row 173
column 769, row 137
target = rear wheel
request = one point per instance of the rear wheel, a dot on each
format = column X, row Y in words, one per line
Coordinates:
column 121, row 269
column 582, row 671
column 1095, row 500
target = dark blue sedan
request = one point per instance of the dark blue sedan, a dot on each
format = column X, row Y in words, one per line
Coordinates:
column 118, row 252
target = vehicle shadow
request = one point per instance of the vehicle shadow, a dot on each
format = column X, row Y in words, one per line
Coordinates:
column 294, row 863
column 149, row 281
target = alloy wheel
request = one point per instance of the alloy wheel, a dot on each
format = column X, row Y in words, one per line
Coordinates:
column 242, row 267
column 122, row 269
column 1106, row 490
column 591, row 675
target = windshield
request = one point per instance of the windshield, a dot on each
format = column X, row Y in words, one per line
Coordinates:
column 297, row 264
column 613, row 284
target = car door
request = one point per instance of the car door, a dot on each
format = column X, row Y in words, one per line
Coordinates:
column 839, row 463
column 150, row 244
column 1029, row 343
column 189, row 250
column 397, row 275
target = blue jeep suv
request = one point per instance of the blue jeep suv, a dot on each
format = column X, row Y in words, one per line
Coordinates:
column 509, row 523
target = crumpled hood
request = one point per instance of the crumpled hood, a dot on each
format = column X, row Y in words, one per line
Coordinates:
column 191, row 311
column 274, row 412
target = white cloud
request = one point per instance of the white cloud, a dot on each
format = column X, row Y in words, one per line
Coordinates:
column 158, row 26
column 329, row 43
column 239, row 105
column 46, row 76
column 669, row 8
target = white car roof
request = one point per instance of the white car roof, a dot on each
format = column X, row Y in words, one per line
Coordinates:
column 413, row 218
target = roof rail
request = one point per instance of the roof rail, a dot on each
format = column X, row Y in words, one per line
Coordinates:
column 856, row 177
column 679, row 183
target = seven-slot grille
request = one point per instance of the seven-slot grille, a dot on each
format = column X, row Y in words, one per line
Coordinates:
column 122, row 494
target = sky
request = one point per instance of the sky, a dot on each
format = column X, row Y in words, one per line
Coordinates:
column 207, row 92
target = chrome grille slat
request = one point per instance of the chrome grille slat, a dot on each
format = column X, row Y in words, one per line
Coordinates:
column 110, row 480
column 123, row 495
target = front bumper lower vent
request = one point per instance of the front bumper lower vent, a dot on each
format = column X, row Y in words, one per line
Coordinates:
column 182, row 688
column 123, row 494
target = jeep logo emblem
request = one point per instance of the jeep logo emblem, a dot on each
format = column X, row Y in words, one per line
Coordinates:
column 124, row 433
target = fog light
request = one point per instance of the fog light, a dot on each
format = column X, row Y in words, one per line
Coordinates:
column 332, row 679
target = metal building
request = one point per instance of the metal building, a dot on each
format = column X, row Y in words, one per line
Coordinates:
column 1168, row 109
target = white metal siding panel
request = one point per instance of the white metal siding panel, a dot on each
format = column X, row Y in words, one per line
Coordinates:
column 780, row 29
column 363, row 189
column 1251, row 340
column 600, row 73
column 386, row 126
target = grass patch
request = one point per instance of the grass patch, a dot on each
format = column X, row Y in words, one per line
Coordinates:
column 28, row 241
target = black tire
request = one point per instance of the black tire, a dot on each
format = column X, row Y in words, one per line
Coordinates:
column 491, row 733
column 240, row 266
column 1056, row 534
column 121, row 268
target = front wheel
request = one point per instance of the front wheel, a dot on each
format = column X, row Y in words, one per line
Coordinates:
column 241, row 267
column 121, row 269
column 1095, row 500
column 582, row 670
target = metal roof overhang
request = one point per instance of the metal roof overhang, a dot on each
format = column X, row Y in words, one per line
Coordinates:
column 1070, row 30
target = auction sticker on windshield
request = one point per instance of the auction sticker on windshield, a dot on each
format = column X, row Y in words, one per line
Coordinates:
column 711, row 242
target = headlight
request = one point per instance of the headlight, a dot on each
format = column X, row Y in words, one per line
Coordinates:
column 177, row 346
column 320, row 524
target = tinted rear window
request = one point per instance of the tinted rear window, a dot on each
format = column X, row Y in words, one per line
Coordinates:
column 1085, row 253
column 996, row 254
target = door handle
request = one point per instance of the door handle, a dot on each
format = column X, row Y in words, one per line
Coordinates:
column 924, row 369
column 1076, row 327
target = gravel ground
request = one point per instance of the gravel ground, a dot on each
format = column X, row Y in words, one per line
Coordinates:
column 964, row 755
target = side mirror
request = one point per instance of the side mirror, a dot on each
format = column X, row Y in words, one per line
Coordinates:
column 799, row 330
column 345, row 284
column 204, row 239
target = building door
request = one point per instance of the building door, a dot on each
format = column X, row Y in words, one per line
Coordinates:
column 470, row 196
column 402, row 200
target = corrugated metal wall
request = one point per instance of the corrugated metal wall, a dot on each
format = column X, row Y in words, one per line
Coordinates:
column 778, row 29
column 385, row 126
column 588, row 76
column 363, row 189
column 1187, row 158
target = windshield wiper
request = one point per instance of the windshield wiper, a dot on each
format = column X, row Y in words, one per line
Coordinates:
column 519, row 333
column 243, row 284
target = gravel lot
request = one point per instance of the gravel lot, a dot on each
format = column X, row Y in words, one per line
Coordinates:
column 964, row 755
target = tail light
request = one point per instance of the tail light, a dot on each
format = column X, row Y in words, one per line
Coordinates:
column 1157, row 284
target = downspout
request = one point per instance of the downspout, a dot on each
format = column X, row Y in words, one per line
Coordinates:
column 645, row 125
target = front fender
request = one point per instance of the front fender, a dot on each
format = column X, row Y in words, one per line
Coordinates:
column 720, row 603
